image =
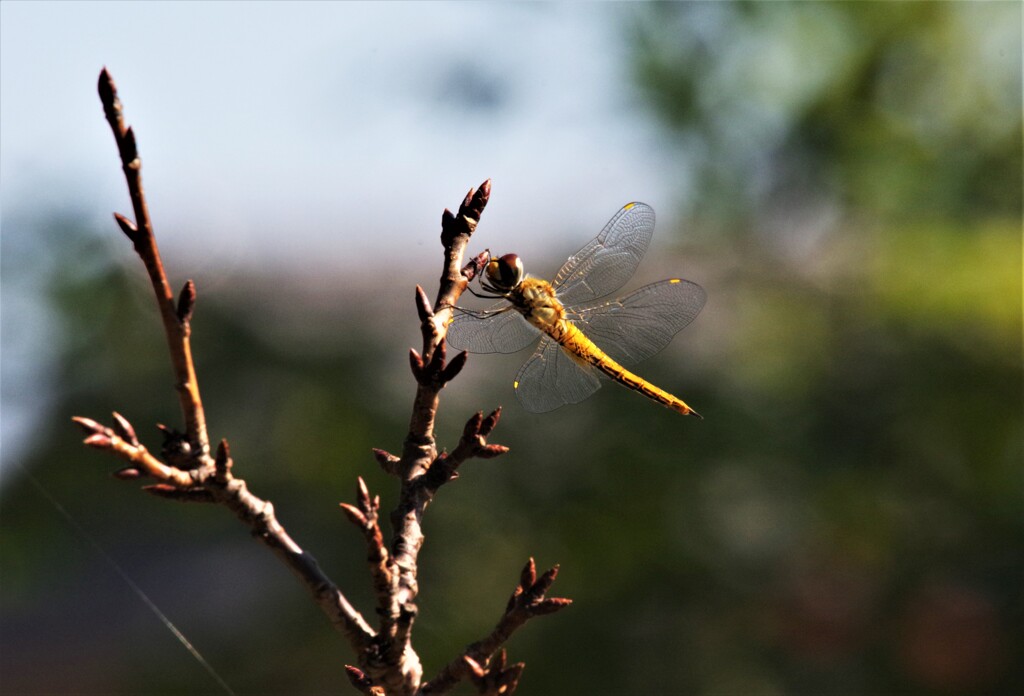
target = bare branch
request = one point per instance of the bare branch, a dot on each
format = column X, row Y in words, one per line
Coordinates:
column 191, row 474
column 141, row 234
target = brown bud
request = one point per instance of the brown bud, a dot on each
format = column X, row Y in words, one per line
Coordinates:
column 454, row 367
column 423, row 308
column 106, row 88
column 222, row 461
column 490, row 422
column 127, row 226
column 543, row 583
column 472, row 427
column 386, row 460
column 528, row 576
column 129, row 150
column 186, row 302
column 550, row 606
column 491, row 451
column 416, row 363
column 88, row 425
column 124, row 429
column 353, row 514
column 99, row 441
column 474, row 667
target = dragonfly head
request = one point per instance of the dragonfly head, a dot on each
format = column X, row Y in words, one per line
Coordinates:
column 504, row 273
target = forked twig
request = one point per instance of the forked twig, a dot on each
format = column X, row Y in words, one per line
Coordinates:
column 190, row 473
column 527, row 601
column 175, row 317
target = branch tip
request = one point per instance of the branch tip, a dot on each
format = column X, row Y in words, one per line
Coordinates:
column 128, row 473
column 106, row 87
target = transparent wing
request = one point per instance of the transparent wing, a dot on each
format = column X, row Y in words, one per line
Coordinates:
column 640, row 324
column 550, row 379
column 500, row 330
column 606, row 263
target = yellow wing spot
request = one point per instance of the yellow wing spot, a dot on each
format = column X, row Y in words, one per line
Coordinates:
column 674, row 280
column 628, row 206
column 515, row 385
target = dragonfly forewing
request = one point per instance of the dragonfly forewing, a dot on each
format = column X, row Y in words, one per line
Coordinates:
column 608, row 261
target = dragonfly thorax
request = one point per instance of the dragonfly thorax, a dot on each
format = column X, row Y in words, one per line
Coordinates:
column 504, row 273
column 535, row 300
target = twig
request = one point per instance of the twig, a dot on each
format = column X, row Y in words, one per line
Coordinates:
column 397, row 667
column 364, row 516
column 190, row 473
column 472, row 444
column 527, row 601
column 176, row 325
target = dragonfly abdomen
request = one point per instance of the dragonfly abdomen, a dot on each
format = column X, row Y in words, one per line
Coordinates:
column 577, row 344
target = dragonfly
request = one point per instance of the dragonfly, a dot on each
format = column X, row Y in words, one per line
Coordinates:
column 582, row 334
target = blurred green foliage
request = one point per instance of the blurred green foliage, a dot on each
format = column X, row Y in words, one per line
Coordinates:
column 846, row 520
column 907, row 111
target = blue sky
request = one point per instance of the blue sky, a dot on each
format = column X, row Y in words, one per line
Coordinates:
column 340, row 129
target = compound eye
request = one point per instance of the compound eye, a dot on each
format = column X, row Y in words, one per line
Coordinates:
column 505, row 272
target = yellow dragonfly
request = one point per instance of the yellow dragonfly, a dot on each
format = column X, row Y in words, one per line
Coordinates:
column 582, row 335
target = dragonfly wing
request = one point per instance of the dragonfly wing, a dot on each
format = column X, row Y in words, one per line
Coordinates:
column 606, row 263
column 550, row 379
column 640, row 324
column 500, row 329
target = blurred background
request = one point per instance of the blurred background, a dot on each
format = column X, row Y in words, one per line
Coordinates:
column 843, row 178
